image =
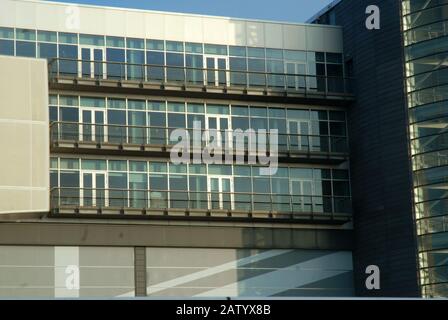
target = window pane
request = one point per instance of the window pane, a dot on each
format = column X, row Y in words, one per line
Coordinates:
column 174, row 46
column 114, row 103
column 240, row 110
column 178, row 168
column 117, row 42
column 237, row 51
column 215, row 49
column 157, row 105
column 198, row 169
column 92, row 40
column 69, row 163
column 46, row 36
column 193, row 47
column 93, row 164
column 217, row 109
column 138, row 166
column 118, row 165
column 71, row 38
column 334, row 57
column 93, row 102
column 277, row 113
column 176, row 106
column 7, row 47
column 274, row 54
column 47, row 50
column 256, row 52
column 136, row 59
column 157, row 167
column 158, row 182
column 68, row 52
column 26, row 34
column 7, row 33
column 137, row 104
column 295, row 55
column 258, row 112
column 195, row 108
column 155, row 45
column 135, row 43
column 26, row 49
column 220, row 169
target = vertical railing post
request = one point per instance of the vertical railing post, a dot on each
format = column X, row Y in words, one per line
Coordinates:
column 266, row 81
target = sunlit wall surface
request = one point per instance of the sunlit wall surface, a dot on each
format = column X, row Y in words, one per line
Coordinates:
column 425, row 27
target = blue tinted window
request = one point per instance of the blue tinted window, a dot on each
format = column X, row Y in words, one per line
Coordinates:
column 115, row 42
column 68, row 38
column 215, row 49
column 46, row 36
column 155, row 57
column 256, row 52
column 115, row 55
column 135, row 43
column 47, row 50
column 115, row 70
column 7, row 33
column 26, row 49
column 7, row 47
column 237, row 51
column 25, row 34
column 193, row 47
column 174, row 59
column 155, row 45
column 71, row 53
column 136, row 60
column 274, row 53
column 174, row 46
column 91, row 40
column 69, row 114
column 53, row 113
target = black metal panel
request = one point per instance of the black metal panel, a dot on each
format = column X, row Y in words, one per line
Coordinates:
column 380, row 169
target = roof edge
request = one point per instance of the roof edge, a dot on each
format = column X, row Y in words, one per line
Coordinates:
column 323, row 11
column 305, row 24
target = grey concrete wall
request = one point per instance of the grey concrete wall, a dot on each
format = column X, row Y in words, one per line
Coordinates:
column 24, row 135
column 80, row 271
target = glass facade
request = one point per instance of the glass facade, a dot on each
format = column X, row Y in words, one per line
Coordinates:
column 425, row 25
column 140, row 184
column 150, row 121
column 120, row 58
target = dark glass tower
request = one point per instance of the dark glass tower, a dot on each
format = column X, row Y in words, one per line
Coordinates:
column 425, row 36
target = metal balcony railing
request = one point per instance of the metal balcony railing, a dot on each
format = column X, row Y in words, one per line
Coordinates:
column 189, row 76
column 160, row 136
column 120, row 199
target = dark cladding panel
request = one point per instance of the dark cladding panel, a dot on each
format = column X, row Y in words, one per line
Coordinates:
column 384, row 227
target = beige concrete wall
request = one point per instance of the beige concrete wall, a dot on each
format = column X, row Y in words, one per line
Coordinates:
column 24, row 135
column 44, row 15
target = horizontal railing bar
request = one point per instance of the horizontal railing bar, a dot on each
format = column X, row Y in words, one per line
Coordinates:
column 52, row 61
column 58, row 123
column 199, row 192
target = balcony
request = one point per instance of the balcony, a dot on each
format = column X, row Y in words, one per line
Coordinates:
column 74, row 137
column 120, row 77
column 199, row 205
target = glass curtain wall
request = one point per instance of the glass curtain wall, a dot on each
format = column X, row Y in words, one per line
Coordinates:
column 425, row 25
column 137, row 121
column 142, row 184
column 123, row 58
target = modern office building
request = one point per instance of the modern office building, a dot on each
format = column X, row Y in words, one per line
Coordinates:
column 93, row 203
column 399, row 189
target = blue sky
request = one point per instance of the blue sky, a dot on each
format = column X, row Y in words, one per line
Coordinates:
column 282, row 10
